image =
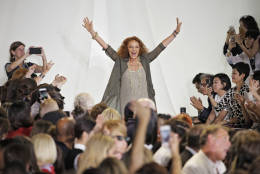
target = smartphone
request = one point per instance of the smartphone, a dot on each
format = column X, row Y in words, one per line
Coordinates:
column 165, row 131
column 43, row 93
column 35, row 50
column 182, row 110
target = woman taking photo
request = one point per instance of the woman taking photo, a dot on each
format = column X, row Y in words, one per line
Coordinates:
column 131, row 77
column 18, row 57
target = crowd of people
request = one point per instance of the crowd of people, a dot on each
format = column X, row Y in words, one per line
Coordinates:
column 125, row 133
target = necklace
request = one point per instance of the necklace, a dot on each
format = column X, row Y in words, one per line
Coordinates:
column 134, row 65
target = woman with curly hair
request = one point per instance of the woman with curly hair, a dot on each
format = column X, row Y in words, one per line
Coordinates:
column 131, row 77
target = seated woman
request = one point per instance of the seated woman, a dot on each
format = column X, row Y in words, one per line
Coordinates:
column 229, row 103
column 17, row 58
column 221, row 84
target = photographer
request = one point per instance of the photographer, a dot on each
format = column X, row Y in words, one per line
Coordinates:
column 232, row 47
column 254, row 62
column 18, row 56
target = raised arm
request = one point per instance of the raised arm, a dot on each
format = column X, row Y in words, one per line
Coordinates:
column 88, row 25
column 40, row 69
column 137, row 154
column 170, row 38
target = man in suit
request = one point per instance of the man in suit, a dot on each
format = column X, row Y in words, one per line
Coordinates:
column 83, row 129
column 193, row 146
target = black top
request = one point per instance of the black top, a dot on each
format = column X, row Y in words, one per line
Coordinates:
column 25, row 65
column 235, row 51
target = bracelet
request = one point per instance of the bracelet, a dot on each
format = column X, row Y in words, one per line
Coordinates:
column 42, row 76
column 95, row 35
column 175, row 33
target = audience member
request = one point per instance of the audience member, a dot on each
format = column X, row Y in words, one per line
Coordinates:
column 83, row 131
column 240, row 72
column 193, row 143
column 48, row 105
column 20, row 119
column 221, row 84
column 205, row 88
column 45, row 151
column 83, row 103
column 214, row 144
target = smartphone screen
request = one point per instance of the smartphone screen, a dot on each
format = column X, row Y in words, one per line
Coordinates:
column 165, row 131
column 43, row 93
column 35, row 50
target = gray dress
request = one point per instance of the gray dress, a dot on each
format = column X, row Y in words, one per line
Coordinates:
column 133, row 86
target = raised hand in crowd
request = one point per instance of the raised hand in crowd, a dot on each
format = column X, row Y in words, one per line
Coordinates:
column 143, row 114
column 174, row 143
column 59, row 81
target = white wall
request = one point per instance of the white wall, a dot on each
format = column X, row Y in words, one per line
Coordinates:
column 56, row 25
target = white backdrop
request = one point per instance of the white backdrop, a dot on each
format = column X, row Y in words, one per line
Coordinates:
column 56, row 25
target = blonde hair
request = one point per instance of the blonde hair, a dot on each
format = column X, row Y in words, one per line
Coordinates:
column 112, row 166
column 97, row 149
column 44, row 148
column 111, row 114
column 115, row 125
column 48, row 105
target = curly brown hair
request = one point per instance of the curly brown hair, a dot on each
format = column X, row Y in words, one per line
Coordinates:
column 123, row 50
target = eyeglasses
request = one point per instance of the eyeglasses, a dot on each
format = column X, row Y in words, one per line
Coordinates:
column 203, row 84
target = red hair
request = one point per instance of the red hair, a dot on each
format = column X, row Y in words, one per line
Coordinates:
column 123, row 49
column 184, row 117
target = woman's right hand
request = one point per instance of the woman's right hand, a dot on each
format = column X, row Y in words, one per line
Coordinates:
column 88, row 25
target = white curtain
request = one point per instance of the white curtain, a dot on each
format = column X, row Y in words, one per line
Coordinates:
column 56, row 26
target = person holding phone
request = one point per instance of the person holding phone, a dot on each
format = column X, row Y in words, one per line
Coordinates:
column 18, row 57
column 232, row 47
column 131, row 77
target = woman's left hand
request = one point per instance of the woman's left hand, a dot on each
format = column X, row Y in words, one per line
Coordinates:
column 178, row 28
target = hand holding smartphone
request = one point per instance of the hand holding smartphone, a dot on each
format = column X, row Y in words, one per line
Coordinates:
column 165, row 132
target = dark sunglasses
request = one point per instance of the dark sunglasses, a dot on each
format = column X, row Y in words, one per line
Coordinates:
column 121, row 138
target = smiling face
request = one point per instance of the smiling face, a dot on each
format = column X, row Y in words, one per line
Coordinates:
column 133, row 49
column 217, row 85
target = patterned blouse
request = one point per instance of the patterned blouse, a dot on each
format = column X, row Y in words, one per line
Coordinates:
column 230, row 104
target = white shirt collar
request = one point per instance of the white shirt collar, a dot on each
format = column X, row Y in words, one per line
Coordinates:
column 80, row 146
column 192, row 151
column 218, row 165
